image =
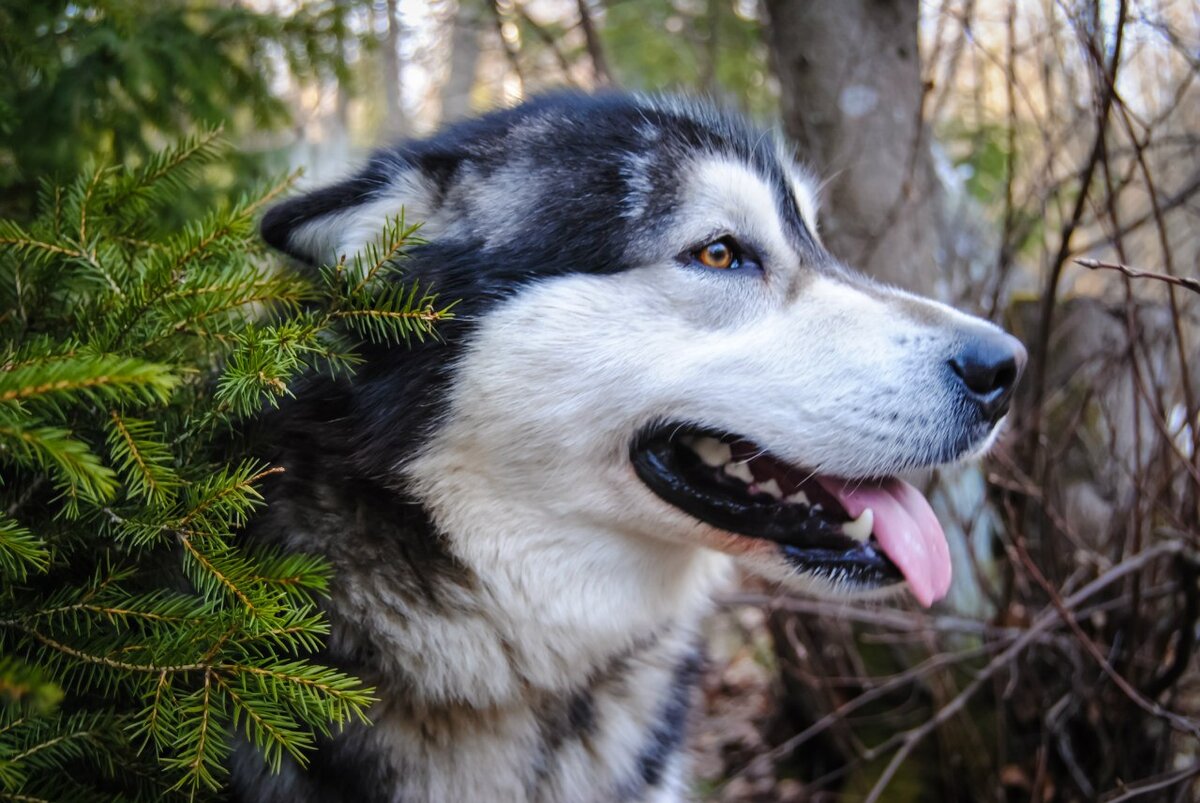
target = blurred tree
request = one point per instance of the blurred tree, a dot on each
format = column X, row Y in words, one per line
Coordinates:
column 395, row 125
column 118, row 80
column 852, row 99
column 464, row 62
column 714, row 48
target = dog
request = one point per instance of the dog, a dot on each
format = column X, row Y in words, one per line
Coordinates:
column 656, row 373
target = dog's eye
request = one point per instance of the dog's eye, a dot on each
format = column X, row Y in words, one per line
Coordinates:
column 720, row 254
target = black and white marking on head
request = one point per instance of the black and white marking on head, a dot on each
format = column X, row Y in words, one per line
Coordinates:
column 520, row 184
column 656, row 371
column 632, row 262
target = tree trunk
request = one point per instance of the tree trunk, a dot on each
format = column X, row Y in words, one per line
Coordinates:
column 852, row 100
column 595, row 48
column 464, row 61
column 851, row 85
column 395, row 125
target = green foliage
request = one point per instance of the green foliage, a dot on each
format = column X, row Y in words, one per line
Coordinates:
column 84, row 77
column 713, row 47
column 981, row 151
column 139, row 635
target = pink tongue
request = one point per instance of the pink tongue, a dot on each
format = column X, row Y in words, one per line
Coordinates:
column 905, row 528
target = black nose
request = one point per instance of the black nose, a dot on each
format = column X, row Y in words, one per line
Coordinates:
column 989, row 365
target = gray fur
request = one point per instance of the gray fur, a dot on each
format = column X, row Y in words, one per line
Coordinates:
column 526, row 607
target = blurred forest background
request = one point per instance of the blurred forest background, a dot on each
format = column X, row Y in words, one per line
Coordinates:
column 1035, row 161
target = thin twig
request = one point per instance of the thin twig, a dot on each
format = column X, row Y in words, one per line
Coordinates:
column 1108, row 74
column 595, row 48
column 1049, row 617
column 1134, row 273
column 1155, row 784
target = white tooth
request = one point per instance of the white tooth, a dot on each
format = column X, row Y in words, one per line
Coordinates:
column 741, row 471
column 860, row 528
column 771, row 488
column 712, row 451
column 798, row 498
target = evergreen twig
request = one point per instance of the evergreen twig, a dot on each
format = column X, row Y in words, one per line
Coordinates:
column 134, row 624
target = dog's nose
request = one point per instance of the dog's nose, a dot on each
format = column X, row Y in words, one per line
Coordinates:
column 989, row 365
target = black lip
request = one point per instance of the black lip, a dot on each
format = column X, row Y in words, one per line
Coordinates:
column 810, row 539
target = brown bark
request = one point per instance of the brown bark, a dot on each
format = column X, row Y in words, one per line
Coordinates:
column 850, row 79
column 395, row 124
column 464, row 61
column 595, row 48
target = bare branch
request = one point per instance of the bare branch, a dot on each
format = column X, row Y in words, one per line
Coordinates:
column 1134, row 273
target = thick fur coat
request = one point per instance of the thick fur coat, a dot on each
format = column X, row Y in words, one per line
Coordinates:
column 515, row 570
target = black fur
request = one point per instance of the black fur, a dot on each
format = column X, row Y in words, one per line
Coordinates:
column 339, row 441
column 581, row 156
column 667, row 736
column 396, row 398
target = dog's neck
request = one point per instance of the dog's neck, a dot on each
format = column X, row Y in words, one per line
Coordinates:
column 502, row 655
column 550, row 604
column 501, row 637
column 574, row 599
column 521, row 598
column 556, row 593
column 530, row 586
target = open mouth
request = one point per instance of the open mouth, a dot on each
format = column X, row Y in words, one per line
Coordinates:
column 860, row 533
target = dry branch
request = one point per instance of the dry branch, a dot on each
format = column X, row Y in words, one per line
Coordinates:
column 1134, row 273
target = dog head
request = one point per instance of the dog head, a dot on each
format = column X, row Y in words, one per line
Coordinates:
column 654, row 346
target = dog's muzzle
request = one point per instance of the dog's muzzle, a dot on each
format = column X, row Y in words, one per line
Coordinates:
column 860, row 533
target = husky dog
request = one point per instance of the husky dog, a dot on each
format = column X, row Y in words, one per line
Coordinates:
column 656, row 372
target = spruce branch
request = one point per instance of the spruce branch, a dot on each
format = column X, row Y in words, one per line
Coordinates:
column 45, row 743
column 222, row 502
column 266, row 726
column 292, row 572
column 382, row 254
column 106, row 601
column 91, row 181
column 198, row 241
column 38, row 351
column 163, row 172
column 21, row 552
column 154, row 723
column 387, row 325
column 105, row 661
column 129, row 353
column 201, row 758
column 395, row 315
column 71, row 462
column 98, row 377
column 218, row 569
column 311, row 689
column 15, row 238
column 143, row 458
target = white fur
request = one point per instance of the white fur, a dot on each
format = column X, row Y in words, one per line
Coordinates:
column 543, row 500
column 808, row 198
column 328, row 238
column 529, row 476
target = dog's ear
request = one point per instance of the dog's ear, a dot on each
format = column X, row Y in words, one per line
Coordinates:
column 326, row 224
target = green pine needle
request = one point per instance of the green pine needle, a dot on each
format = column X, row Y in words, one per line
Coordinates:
column 138, row 634
column 143, row 459
column 69, row 461
column 100, row 378
column 21, row 552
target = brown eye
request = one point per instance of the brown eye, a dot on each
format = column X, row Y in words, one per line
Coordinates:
column 717, row 255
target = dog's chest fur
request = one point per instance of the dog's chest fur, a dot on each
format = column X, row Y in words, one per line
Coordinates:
column 489, row 689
